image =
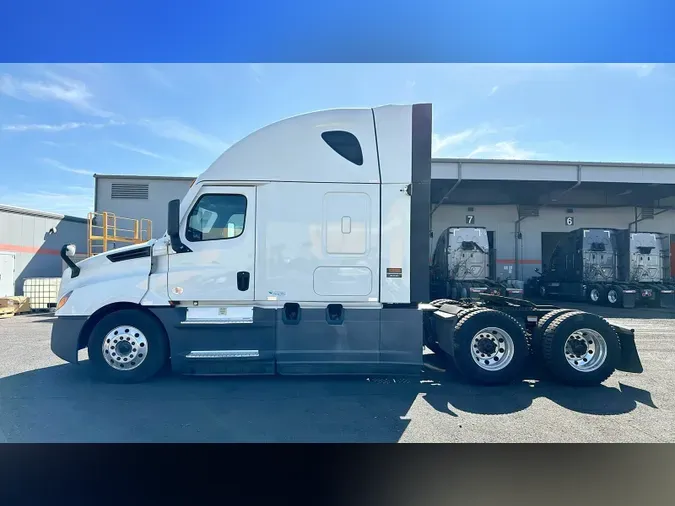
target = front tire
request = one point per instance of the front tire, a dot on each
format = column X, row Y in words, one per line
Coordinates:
column 580, row 349
column 489, row 347
column 596, row 295
column 127, row 346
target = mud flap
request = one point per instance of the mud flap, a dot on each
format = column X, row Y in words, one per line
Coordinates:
column 630, row 360
column 666, row 298
column 628, row 299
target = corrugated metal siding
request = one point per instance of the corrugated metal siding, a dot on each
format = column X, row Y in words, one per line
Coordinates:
column 36, row 251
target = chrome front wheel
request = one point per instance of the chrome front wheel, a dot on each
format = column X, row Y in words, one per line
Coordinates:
column 128, row 346
column 594, row 295
column 125, row 348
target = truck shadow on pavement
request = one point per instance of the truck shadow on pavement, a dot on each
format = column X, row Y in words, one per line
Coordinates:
column 447, row 393
column 62, row 404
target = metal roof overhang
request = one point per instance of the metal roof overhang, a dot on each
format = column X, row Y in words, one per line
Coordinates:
column 527, row 182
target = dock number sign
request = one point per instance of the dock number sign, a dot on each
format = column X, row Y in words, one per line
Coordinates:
column 569, row 221
column 470, row 219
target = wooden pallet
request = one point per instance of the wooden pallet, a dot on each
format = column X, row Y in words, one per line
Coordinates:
column 10, row 306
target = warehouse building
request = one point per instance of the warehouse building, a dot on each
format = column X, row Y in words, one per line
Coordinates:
column 528, row 205
column 525, row 205
column 139, row 197
column 30, row 244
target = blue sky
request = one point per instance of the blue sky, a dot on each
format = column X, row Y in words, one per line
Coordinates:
column 61, row 123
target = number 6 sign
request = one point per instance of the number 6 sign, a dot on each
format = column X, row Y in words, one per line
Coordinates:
column 569, row 221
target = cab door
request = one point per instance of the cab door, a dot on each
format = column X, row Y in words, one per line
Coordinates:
column 219, row 230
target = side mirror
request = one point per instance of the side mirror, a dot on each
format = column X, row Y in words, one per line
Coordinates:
column 173, row 227
column 536, row 269
column 67, row 252
column 173, row 222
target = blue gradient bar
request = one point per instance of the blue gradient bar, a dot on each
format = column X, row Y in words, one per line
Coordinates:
column 337, row 31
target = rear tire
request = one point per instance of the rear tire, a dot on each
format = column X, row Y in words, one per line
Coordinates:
column 490, row 347
column 614, row 296
column 127, row 346
column 429, row 336
column 580, row 349
column 439, row 302
column 542, row 325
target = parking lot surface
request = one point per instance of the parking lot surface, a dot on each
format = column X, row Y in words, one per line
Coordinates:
column 43, row 399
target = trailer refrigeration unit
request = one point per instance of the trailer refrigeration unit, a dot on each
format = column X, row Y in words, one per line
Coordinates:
column 304, row 249
column 460, row 266
column 608, row 267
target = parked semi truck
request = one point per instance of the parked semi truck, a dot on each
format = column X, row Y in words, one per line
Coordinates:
column 303, row 249
column 460, row 266
column 611, row 267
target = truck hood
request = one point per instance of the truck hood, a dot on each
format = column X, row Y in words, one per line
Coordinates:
column 117, row 262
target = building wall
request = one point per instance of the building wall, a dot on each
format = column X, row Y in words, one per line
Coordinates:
column 154, row 208
column 36, row 251
column 501, row 220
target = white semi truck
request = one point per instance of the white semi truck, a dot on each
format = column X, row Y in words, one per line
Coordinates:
column 303, row 249
column 460, row 266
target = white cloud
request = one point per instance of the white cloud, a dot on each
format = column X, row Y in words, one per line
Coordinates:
column 60, row 127
column 440, row 144
column 176, row 130
column 141, row 151
column 57, row 88
column 504, row 150
column 63, row 167
column 72, row 200
column 493, row 91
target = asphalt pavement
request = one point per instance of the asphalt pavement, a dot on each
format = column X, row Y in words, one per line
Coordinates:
column 43, row 399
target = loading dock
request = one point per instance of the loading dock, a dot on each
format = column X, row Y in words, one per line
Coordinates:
column 528, row 204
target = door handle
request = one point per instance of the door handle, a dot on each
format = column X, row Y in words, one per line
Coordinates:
column 243, row 280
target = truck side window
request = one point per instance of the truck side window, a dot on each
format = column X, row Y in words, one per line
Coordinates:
column 345, row 144
column 216, row 216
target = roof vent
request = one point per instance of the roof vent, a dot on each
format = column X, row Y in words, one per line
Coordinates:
column 129, row 191
column 647, row 213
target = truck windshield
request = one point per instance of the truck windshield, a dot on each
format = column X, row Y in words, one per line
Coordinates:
column 471, row 245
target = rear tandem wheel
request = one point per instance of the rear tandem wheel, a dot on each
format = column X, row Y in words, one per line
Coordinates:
column 580, row 349
column 490, row 347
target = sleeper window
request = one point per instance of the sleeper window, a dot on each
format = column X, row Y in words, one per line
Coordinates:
column 345, row 144
column 216, row 217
